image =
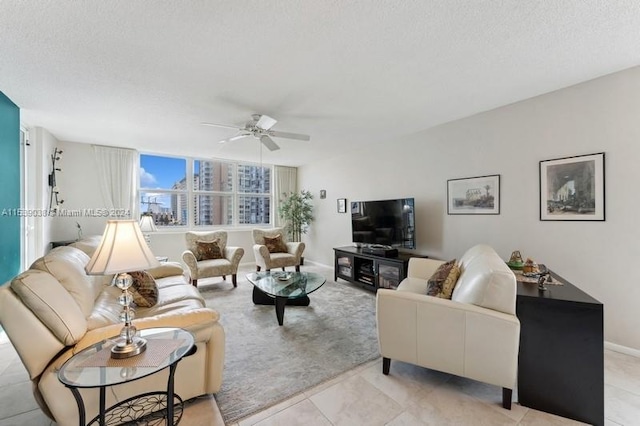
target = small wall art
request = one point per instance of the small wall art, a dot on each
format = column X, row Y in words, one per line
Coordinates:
column 572, row 188
column 342, row 205
column 474, row 195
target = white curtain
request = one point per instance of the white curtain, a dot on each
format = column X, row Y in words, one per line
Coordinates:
column 117, row 174
column 285, row 180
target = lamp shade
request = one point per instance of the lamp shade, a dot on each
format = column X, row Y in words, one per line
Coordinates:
column 147, row 224
column 122, row 249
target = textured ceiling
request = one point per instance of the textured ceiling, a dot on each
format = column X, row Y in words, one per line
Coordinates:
column 145, row 73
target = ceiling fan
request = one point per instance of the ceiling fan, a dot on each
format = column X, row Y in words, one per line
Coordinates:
column 260, row 128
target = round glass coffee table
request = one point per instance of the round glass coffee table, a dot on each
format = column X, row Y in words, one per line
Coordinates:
column 284, row 288
column 93, row 368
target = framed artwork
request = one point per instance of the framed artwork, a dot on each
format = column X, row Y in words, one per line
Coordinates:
column 474, row 195
column 342, row 205
column 572, row 188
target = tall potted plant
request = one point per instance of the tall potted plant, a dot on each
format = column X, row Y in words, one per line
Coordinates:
column 296, row 211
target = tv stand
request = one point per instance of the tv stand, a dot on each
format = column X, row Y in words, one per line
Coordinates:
column 369, row 270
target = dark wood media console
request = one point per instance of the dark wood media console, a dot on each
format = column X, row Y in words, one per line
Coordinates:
column 561, row 360
column 370, row 271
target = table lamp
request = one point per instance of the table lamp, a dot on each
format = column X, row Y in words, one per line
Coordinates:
column 121, row 250
column 147, row 225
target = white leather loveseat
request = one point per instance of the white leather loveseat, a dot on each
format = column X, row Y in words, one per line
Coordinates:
column 475, row 334
column 54, row 310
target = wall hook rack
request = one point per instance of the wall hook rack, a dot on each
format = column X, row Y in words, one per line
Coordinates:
column 54, row 195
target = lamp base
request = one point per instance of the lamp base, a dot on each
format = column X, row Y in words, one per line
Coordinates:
column 126, row 350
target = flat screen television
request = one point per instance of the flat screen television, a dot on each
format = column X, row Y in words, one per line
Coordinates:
column 384, row 222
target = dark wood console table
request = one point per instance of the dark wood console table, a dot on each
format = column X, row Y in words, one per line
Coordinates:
column 561, row 361
column 369, row 270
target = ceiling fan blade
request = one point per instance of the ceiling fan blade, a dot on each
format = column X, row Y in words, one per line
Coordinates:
column 269, row 143
column 224, row 126
column 233, row 138
column 287, row 135
column 265, row 122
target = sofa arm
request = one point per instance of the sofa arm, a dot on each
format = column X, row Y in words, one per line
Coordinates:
column 186, row 319
column 192, row 263
column 457, row 338
column 233, row 255
column 296, row 249
column 261, row 252
column 422, row 267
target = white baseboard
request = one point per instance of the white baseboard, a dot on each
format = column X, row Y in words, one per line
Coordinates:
column 622, row 349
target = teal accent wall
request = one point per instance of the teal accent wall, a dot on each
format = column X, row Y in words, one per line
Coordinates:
column 9, row 189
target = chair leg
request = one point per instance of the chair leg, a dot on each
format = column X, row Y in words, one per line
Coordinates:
column 257, row 268
column 507, row 395
column 297, row 268
column 386, row 364
column 233, row 280
column 194, row 282
column 283, row 268
column 224, row 277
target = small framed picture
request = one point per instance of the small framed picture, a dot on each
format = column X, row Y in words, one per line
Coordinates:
column 572, row 188
column 474, row 195
column 342, row 205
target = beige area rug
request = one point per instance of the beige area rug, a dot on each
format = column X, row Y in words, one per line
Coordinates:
column 266, row 364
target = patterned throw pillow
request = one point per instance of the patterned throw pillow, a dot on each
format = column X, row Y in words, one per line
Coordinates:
column 206, row 250
column 144, row 289
column 275, row 244
column 435, row 284
column 450, row 282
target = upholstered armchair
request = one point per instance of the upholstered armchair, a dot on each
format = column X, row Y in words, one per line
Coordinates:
column 207, row 255
column 273, row 251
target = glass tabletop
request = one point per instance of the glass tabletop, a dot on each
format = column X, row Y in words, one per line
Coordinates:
column 291, row 285
column 86, row 370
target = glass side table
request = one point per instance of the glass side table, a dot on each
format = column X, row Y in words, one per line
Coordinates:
column 93, row 368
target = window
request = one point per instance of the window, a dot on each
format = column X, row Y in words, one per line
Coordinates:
column 164, row 189
column 204, row 192
column 254, row 194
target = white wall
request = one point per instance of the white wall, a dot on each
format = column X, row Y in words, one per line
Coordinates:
column 41, row 146
column 597, row 116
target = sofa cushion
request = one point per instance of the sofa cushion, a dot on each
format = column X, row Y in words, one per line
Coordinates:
column 436, row 281
column 67, row 264
column 192, row 237
column 144, row 289
column 52, row 304
column 259, row 234
column 486, row 280
column 450, row 282
column 206, row 250
column 275, row 244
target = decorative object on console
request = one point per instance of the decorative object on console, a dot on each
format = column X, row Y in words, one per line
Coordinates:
column 54, row 194
column 296, row 211
column 474, row 195
column 121, row 250
column 515, row 261
column 342, row 205
column 147, row 225
column 572, row 188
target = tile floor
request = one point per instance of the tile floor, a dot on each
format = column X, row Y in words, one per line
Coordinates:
column 363, row 396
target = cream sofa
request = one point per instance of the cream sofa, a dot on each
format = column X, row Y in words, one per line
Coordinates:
column 54, row 310
column 475, row 334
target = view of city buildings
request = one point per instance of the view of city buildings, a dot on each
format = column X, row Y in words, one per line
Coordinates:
column 212, row 195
